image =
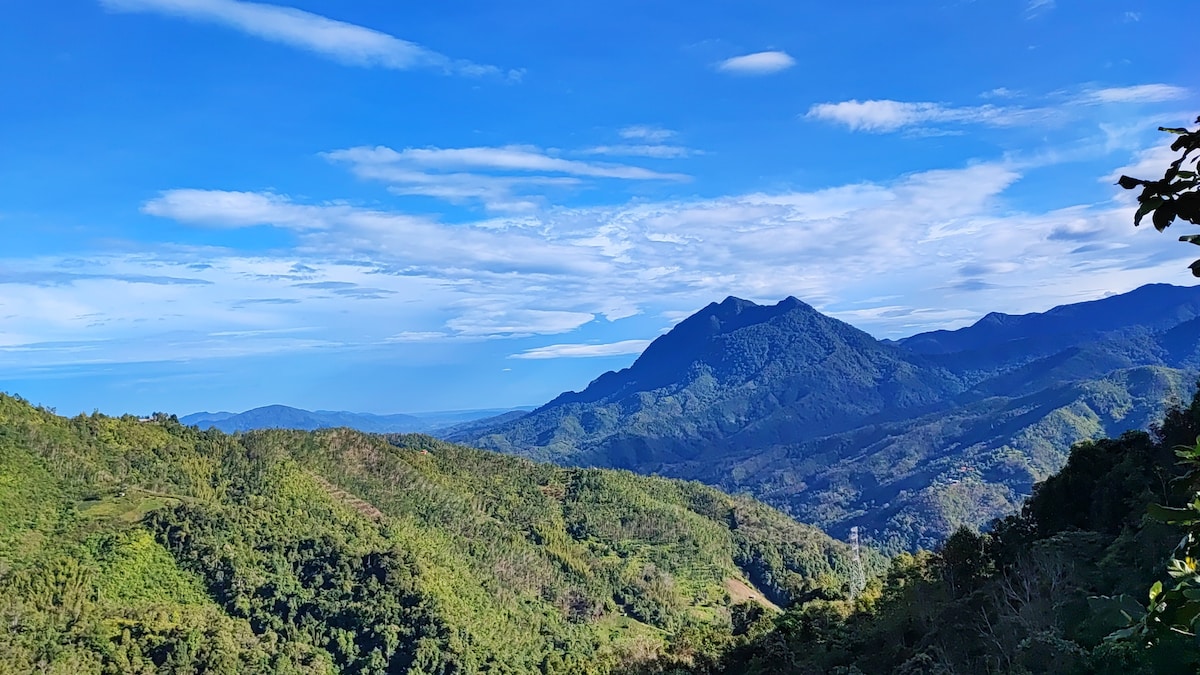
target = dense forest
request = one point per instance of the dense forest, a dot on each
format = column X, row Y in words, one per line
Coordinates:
column 1043, row 591
column 132, row 546
column 136, row 546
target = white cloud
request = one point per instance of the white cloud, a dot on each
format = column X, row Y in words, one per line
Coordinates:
column 904, row 315
column 1142, row 93
column 1036, row 7
column 1148, row 164
column 402, row 239
column 516, row 158
column 884, row 116
column 375, row 279
column 759, row 63
column 578, row 351
column 999, row 92
column 420, row 336
column 343, row 42
column 629, row 150
column 500, row 322
column 508, row 178
column 566, row 266
column 644, row 141
column 234, row 209
column 651, row 134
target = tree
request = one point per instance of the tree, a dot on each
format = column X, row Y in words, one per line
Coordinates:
column 1175, row 195
column 1174, row 608
column 963, row 560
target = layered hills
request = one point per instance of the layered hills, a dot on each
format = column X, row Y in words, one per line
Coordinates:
column 1045, row 590
column 286, row 417
column 135, row 546
column 906, row 439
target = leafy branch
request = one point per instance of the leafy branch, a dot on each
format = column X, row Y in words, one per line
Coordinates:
column 1175, row 195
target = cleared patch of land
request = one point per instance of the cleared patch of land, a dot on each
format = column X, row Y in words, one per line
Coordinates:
column 740, row 591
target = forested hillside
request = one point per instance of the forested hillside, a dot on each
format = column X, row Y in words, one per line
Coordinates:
column 906, row 440
column 141, row 546
column 137, row 547
column 1039, row 593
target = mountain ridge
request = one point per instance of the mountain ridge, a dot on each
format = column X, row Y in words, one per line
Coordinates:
column 745, row 396
column 286, row 417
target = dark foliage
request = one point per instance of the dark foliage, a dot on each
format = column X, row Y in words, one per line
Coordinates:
column 1177, row 194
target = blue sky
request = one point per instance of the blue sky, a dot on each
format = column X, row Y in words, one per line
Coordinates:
column 384, row 207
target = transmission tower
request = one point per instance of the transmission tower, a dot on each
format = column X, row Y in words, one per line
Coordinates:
column 858, row 577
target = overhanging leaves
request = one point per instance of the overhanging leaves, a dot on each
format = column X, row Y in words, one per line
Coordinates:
column 1174, row 196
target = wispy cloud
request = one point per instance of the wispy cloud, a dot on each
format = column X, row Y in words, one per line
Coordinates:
column 999, row 92
column 1036, row 7
column 517, row 158
column 343, row 42
column 500, row 322
column 644, row 141
column 883, row 116
column 580, row 351
column 650, row 134
column 759, row 63
column 66, row 278
column 503, row 178
column 887, row 115
column 217, row 208
column 1142, row 93
column 420, row 336
column 413, row 240
column 654, row 151
column 369, row 278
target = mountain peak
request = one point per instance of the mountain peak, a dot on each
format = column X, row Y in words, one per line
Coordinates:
column 733, row 339
column 795, row 405
column 276, row 408
column 998, row 318
column 733, row 306
column 736, row 302
column 792, row 302
column 729, row 307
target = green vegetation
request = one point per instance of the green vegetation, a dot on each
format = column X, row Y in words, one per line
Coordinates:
column 1029, row 596
column 1177, row 193
column 907, row 441
column 132, row 546
column 137, row 547
column 1174, row 608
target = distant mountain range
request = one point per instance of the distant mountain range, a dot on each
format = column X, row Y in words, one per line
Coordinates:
column 284, row 417
column 907, row 439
